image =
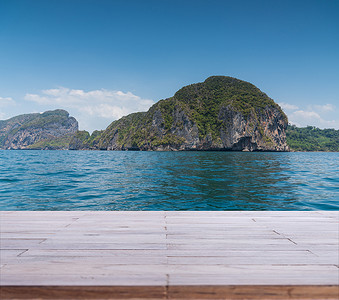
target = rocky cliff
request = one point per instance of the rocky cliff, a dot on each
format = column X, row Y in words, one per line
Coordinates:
column 221, row 113
column 48, row 130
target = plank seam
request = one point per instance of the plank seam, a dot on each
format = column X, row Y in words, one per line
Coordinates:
column 19, row 255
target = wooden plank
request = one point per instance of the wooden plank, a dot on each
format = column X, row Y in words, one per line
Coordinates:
column 310, row 274
column 234, row 246
column 170, row 253
column 96, row 268
column 108, row 246
column 232, row 292
column 21, row 243
column 96, row 253
column 88, row 279
column 83, row 292
column 230, row 241
column 94, row 238
column 261, row 292
column 269, row 214
column 269, row 278
column 169, row 248
column 87, row 260
column 252, row 260
column 7, row 254
column 26, row 235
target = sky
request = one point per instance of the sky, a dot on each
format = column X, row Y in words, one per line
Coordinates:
column 103, row 59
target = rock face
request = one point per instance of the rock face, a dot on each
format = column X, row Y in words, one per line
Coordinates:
column 82, row 140
column 49, row 130
column 221, row 113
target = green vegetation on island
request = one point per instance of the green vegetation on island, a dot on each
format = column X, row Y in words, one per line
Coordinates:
column 48, row 130
column 61, row 143
column 82, row 140
column 311, row 138
column 221, row 113
column 206, row 98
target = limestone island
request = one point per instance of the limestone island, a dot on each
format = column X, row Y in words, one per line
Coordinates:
column 220, row 114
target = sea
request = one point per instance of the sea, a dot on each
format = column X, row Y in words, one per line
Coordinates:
column 128, row 180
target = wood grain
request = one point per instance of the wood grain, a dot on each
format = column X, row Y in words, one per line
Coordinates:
column 82, row 292
column 254, row 292
column 174, row 255
column 235, row 292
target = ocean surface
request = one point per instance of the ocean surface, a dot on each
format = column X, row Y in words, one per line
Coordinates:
column 110, row 180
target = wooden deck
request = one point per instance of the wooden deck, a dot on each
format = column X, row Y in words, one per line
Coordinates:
column 169, row 255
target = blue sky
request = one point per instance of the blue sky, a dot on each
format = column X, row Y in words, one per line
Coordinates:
column 103, row 59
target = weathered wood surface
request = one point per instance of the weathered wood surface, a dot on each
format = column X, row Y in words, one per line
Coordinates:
column 235, row 292
column 171, row 254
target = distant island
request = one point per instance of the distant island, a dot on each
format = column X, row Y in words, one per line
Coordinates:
column 222, row 113
column 311, row 138
column 49, row 130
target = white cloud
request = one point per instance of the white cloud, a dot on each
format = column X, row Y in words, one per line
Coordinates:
column 325, row 108
column 106, row 111
column 304, row 118
column 89, row 106
column 4, row 101
column 319, row 115
column 287, row 106
column 306, row 114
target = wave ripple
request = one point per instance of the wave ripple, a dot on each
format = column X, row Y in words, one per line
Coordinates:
column 93, row 180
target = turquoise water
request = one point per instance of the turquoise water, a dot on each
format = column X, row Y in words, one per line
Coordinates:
column 105, row 180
